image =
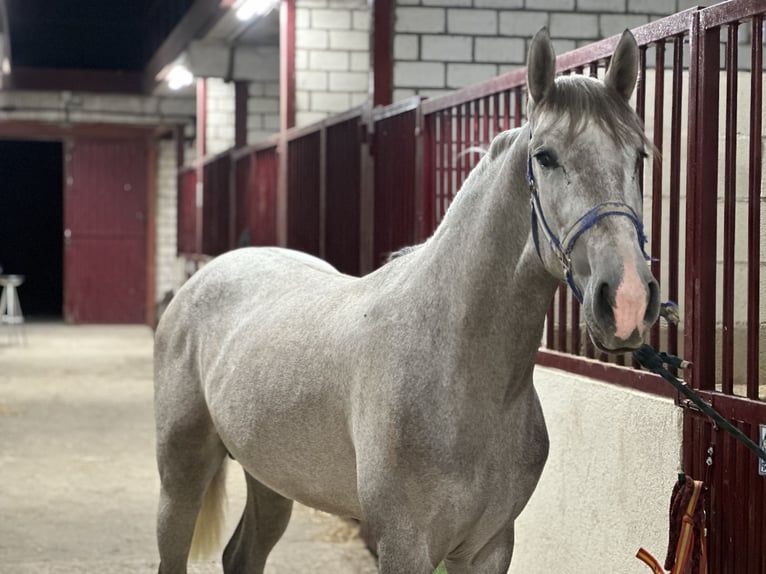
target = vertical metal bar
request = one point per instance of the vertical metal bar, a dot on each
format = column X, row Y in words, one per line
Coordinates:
column 702, row 177
column 497, row 128
column 241, row 96
column 754, row 509
column 440, row 119
column 199, row 161
column 507, row 110
column 675, row 185
column 550, row 327
column 641, row 84
column 286, row 64
column 451, row 167
column 562, row 328
column 382, row 69
column 486, row 137
column 518, row 112
column 754, row 210
column 659, row 117
column 476, row 137
column 575, row 328
column 465, row 158
column 366, row 192
column 458, row 156
column 729, row 211
column 424, row 172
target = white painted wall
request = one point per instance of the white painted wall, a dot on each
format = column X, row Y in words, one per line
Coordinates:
column 332, row 57
column 606, row 487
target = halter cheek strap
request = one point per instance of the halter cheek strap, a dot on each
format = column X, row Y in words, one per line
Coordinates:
column 563, row 248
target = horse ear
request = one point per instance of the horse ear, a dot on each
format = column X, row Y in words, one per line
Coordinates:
column 541, row 66
column 623, row 69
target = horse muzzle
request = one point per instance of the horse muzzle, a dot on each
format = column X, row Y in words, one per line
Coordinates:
column 620, row 310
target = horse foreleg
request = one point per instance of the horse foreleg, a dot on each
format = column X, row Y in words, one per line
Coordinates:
column 401, row 552
column 263, row 522
column 493, row 558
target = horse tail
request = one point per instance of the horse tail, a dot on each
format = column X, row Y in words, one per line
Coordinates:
column 210, row 520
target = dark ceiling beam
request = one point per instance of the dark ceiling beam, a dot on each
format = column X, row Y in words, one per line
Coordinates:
column 105, row 81
column 46, row 131
column 202, row 16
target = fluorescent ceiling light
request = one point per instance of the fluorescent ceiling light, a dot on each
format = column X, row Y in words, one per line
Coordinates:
column 249, row 9
column 179, row 77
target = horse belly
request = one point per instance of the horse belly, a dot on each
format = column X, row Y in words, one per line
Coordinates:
column 297, row 445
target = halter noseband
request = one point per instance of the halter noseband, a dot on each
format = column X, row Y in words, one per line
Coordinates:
column 563, row 249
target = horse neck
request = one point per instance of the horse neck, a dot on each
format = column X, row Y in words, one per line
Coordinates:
column 483, row 263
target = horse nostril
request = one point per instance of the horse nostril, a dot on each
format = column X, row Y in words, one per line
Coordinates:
column 604, row 302
column 653, row 305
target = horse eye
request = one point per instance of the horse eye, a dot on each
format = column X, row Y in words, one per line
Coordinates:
column 546, row 159
column 642, row 155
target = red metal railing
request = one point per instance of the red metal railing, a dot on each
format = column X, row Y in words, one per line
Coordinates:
column 186, row 221
column 423, row 151
column 216, row 204
column 723, row 292
column 397, row 201
column 342, row 186
column 255, row 171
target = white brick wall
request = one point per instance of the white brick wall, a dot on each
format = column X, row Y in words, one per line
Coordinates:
column 169, row 271
column 220, row 115
column 332, row 58
column 444, row 44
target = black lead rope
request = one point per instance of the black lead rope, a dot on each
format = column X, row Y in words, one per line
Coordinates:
column 650, row 359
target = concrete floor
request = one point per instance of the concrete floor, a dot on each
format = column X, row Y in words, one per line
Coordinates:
column 78, row 482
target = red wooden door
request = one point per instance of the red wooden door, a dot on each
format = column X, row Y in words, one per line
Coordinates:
column 105, row 209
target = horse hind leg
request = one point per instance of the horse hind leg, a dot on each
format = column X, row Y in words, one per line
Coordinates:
column 263, row 522
column 191, row 463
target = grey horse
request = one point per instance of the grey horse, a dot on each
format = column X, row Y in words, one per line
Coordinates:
column 404, row 398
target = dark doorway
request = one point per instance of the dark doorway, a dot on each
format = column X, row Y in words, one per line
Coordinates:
column 31, row 223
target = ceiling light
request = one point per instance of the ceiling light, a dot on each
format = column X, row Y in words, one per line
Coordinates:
column 249, row 9
column 179, row 77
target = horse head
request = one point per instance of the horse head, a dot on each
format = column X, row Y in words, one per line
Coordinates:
column 586, row 147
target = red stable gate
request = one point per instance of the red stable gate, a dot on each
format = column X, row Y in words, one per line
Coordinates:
column 718, row 263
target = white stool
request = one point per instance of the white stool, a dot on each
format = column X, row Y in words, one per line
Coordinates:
column 10, row 307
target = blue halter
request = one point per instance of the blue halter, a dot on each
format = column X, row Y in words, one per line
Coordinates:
column 563, row 249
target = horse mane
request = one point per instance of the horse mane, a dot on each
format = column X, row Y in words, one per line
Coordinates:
column 500, row 144
column 582, row 99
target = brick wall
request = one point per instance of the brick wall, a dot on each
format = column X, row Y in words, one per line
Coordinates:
column 220, row 115
column 263, row 103
column 169, row 270
column 331, row 57
column 442, row 45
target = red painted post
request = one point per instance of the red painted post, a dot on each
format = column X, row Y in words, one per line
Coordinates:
column 200, row 160
column 286, row 109
column 729, row 212
column 701, row 198
column 754, row 211
column 241, row 94
column 659, row 116
column 382, row 68
column 675, row 184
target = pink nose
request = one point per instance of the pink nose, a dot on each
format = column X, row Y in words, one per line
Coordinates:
column 630, row 301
